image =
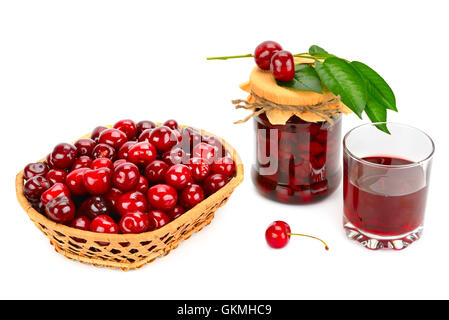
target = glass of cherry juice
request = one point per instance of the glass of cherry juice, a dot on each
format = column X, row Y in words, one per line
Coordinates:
column 386, row 178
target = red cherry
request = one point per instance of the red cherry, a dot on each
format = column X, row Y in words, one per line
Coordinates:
column 178, row 135
column 132, row 201
column 191, row 196
column 102, row 150
column 283, row 194
column 163, row 138
column 56, row 175
column 81, row 223
column 176, row 212
column 205, row 151
column 75, row 181
column 84, row 147
column 102, row 163
column 63, row 156
column 38, row 206
column 162, row 197
column 134, row 222
column 144, row 125
column 158, row 219
column 124, row 149
column 283, row 66
column 60, row 209
column 318, row 162
column 96, row 133
column 113, row 195
column 119, row 162
column 82, row 162
column 145, row 135
column 48, row 161
column 58, row 189
column 175, row 156
column 126, row 176
column 178, row 176
column 216, row 142
column 35, row 169
column 172, row 124
column 224, row 166
column 128, row 127
column 142, row 186
column 200, row 169
column 214, row 182
column 142, row 153
column 190, row 138
column 155, row 171
column 277, row 234
column 96, row 206
column 97, row 181
column 34, row 187
column 264, row 52
column 104, row 224
column 113, row 137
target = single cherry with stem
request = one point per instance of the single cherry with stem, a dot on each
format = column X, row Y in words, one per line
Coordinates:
column 278, row 235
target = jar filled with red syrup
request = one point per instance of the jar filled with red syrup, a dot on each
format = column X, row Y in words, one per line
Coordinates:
column 297, row 162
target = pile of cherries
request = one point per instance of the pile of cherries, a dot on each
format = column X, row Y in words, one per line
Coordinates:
column 131, row 178
column 270, row 56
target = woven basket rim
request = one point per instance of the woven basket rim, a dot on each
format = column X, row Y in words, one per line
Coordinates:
column 187, row 216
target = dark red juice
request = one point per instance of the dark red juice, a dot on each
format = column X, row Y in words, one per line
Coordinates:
column 384, row 200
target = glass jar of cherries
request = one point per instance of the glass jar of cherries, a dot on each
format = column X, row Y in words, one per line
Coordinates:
column 298, row 162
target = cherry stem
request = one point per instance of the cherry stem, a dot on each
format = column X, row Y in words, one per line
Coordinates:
column 306, row 235
column 249, row 55
column 306, row 56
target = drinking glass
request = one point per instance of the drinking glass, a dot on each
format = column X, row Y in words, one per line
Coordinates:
column 385, row 184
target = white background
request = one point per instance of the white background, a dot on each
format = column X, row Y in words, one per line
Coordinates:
column 68, row 66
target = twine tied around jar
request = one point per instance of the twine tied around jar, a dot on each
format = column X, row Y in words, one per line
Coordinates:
column 262, row 105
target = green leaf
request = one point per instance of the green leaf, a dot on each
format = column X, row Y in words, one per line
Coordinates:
column 376, row 85
column 319, row 52
column 341, row 78
column 316, row 49
column 305, row 78
column 377, row 113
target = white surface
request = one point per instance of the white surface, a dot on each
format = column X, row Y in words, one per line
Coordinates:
column 66, row 67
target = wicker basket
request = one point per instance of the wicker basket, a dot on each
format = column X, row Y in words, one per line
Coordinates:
column 131, row 251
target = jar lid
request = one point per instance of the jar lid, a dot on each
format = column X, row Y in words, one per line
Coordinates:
column 312, row 106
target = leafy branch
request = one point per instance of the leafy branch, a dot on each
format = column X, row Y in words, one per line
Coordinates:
column 360, row 87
